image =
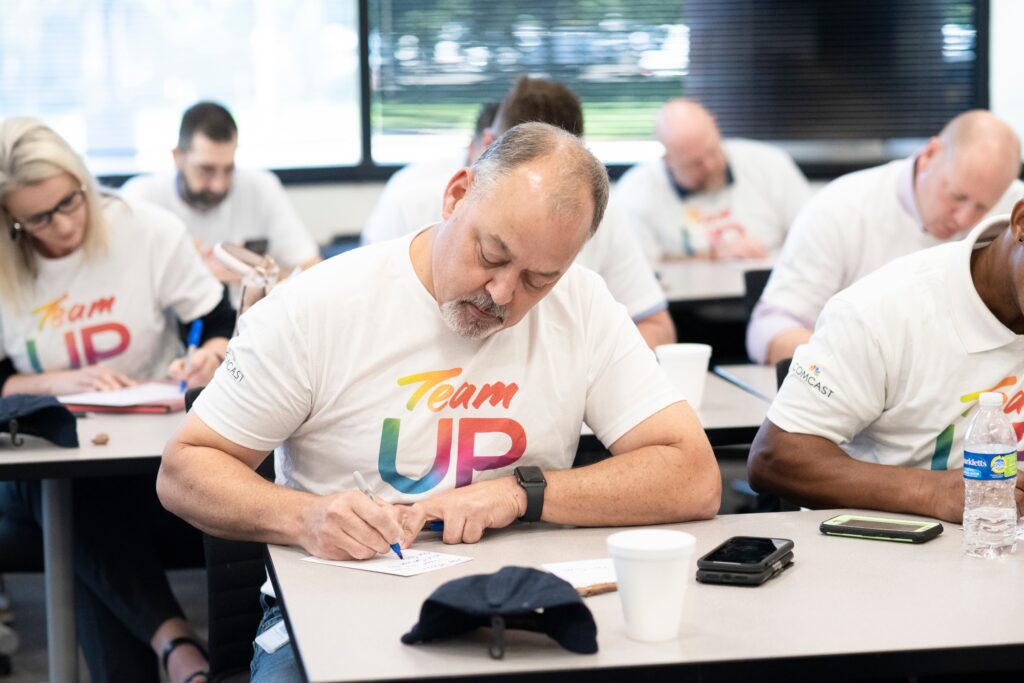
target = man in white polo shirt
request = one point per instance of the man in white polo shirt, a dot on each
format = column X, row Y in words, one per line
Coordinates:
column 873, row 411
column 706, row 197
column 865, row 219
column 221, row 203
column 453, row 368
column 413, row 200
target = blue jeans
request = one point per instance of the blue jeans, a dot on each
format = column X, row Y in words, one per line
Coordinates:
column 279, row 666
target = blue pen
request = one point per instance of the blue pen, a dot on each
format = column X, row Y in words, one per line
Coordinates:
column 195, row 333
column 436, row 525
column 364, row 487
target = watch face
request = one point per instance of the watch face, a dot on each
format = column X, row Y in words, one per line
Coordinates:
column 530, row 475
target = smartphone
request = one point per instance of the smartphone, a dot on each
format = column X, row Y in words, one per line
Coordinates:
column 747, row 554
column 881, row 528
column 746, row 578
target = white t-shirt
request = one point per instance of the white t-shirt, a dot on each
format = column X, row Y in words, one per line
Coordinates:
column 255, row 208
column 854, row 225
column 894, row 369
column 351, row 367
column 414, row 197
column 766, row 192
column 119, row 308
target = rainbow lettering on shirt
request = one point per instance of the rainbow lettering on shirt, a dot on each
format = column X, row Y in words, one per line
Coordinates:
column 944, row 441
column 435, row 394
column 98, row 341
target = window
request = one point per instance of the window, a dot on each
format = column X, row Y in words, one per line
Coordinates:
column 864, row 81
column 113, row 77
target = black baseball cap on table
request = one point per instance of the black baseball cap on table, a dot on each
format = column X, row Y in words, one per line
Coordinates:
column 511, row 598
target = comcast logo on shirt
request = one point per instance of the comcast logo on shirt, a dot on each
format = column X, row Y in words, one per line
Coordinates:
column 812, row 376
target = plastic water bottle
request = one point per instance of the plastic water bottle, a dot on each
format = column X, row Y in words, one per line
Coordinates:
column 990, row 474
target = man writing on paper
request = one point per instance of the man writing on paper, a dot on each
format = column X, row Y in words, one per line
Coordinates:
column 874, row 409
column 480, row 351
column 863, row 220
column 221, row 203
column 412, row 200
column 706, row 197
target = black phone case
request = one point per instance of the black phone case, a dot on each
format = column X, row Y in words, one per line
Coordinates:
column 733, row 578
column 882, row 535
column 761, row 567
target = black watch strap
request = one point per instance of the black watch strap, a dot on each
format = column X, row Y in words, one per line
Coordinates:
column 533, row 482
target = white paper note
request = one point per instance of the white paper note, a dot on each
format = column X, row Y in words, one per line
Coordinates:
column 415, row 562
column 140, row 394
column 583, row 573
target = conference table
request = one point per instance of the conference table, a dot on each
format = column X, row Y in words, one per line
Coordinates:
column 847, row 607
column 759, row 380
column 136, row 442
column 729, row 413
column 699, row 281
column 135, row 445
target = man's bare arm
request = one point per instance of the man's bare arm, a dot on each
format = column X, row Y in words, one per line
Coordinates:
column 785, row 343
column 814, row 472
column 657, row 329
column 211, row 483
column 663, row 471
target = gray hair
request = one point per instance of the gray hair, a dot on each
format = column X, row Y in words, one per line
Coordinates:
column 30, row 152
column 530, row 141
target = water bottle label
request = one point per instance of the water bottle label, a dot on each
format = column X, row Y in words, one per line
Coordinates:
column 990, row 466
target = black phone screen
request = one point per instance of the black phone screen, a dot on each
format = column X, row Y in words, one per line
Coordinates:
column 745, row 550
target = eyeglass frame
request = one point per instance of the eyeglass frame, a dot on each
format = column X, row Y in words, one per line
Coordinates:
column 64, row 207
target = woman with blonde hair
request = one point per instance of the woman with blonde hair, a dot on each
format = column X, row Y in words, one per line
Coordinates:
column 95, row 293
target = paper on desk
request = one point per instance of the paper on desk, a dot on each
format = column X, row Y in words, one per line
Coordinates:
column 140, row 394
column 583, row 573
column 415, row 562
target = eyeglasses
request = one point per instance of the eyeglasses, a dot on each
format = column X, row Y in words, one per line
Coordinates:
column 44, row 219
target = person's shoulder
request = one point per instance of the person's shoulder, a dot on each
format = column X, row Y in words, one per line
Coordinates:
column 918, row 276
column 149, row 186
column 142, row 216
column 743, row 149
column 360, row 273
column 874, row 176
column 641, row 172
column 428, row 173
column 257, row 180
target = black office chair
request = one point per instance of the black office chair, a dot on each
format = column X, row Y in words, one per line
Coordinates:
column 235, row 571
column 754, row 282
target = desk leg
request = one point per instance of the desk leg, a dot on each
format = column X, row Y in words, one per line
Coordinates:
column 60, row 583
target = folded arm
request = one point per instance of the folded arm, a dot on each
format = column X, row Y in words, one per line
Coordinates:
column 211, row 483
column 814, row 472
column 663, row 470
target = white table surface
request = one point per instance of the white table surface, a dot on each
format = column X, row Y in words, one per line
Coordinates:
column 726, row 408
column 131, row 437
column 134, row 441
column 842, row 597
column 700, row 280
column 756, row 379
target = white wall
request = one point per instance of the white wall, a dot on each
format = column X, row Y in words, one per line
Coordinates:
column 1006, row 55
column 342, row 208
column 334, row 208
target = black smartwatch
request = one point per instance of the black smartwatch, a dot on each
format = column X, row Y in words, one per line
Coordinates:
column 533, row 482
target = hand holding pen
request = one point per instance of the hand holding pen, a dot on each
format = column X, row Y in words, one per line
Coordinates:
column 365, row 488
column 195, row 334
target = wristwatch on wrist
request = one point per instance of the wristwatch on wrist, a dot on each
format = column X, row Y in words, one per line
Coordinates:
column 533, row 482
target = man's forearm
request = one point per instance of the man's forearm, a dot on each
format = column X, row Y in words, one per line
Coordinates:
column 814, row 472
column 222, row 496
column 657, row 329
column 651, row 485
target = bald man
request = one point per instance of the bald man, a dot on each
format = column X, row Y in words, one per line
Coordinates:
column 709, row 198
column 863, row 220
